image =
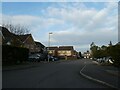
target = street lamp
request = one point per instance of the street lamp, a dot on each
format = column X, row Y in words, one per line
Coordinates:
column 49, row 44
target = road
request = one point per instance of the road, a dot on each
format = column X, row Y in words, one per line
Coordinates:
column 64, row 74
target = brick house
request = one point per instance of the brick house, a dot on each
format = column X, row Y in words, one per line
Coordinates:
column 62, row 51
column 26, row 40
column 40, row 47
column 65, row 51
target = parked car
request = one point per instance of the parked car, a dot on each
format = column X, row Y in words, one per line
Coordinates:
column 109, row 60
column 50, row 58
column 55, row 58
column 34, row 57
column 105, row 60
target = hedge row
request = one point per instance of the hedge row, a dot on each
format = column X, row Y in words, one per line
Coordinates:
column 114, row 52
column 110, row 51
column 13, row 55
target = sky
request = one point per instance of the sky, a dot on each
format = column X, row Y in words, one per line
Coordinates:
column 75, row 24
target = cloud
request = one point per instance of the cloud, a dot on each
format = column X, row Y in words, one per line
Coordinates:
column 72, row 24
column 19, row 19
column 89, row 25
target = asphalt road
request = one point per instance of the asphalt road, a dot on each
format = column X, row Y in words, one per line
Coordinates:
column 63, row 74
column 101, row 73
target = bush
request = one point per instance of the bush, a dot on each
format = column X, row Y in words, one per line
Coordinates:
column 114, row 52
column 13, row 55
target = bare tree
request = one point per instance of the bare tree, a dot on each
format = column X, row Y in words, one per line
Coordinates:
column 17, row 29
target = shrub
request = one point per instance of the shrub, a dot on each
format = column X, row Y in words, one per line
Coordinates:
column 13, row 55
column 114, row 52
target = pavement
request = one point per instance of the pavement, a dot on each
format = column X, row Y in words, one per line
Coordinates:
column 22, row 66
column 107, row 75
column 27, row 65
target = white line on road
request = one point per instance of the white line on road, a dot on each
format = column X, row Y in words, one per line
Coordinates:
column 99, row 81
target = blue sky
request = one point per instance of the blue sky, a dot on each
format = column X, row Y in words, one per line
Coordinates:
column 17, row 8
column 72, row 23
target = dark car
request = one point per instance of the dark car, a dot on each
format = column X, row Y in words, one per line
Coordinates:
column 50, row 58
column 55, row 58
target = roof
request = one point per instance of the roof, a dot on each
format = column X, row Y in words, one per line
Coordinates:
column 118, row 43
column 66, row 48
column 40, row 44
column 6, row 32
column 8, row 36
column 53, row 48
column 24, row 37
column 61, row 48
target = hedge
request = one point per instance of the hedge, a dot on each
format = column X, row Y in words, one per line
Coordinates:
column 114, row 52
column 13, row 55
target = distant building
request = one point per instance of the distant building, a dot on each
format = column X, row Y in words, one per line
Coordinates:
column 52, row 51
column 63, row 51
column 86, row 54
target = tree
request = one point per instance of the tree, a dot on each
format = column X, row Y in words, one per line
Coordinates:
column 110, row 44
column 103, row 47
column 80, row 54
column 16, row 29
column 92, row 44
column 93, row 49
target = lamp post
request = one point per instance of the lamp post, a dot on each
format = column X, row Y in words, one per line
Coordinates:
column 49, row 45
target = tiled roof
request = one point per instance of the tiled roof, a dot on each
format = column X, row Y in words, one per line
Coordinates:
column 52, row 48
column 6, row 32
column 65, row 47
column 9, row 37
column 23, row 37
column 61, row 48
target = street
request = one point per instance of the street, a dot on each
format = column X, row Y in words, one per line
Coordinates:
column 64, row 74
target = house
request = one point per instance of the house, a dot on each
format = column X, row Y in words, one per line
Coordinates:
column 65, row 51
column 86, row 54
column 52, row 51
column 75, row 54
column 28, row 42
column 40, row 47
column 62, row 51
column 9, row 38
column 25, row 41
